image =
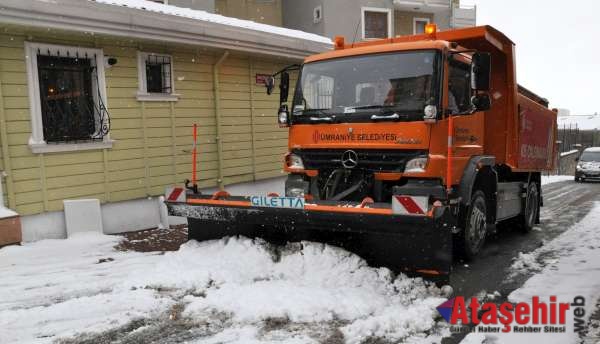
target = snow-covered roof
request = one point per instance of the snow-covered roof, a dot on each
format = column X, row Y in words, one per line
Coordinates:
column 145, row 20
column 583, row 122
column 213, row 18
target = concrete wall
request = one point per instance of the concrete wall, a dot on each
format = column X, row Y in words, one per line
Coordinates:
column 299, row 15
column 342, row 17
column 120, row 217
column 403, row 21
column 567, row 163
column 204, row 5
column 260, row 11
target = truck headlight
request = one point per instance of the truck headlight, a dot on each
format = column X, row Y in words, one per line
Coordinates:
column 416, row 165
column 296, row 186
column 578, row 167
column 294, row 162
column 294, row 192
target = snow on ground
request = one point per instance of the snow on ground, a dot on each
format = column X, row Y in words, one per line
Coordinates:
column 593, row 335
column 232, row 290
column 555, row 179
column 569, row 267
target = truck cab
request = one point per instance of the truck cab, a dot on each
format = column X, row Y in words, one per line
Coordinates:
column 373, row 118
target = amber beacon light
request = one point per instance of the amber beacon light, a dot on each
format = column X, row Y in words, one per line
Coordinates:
column 430, row 29
column 339, row 42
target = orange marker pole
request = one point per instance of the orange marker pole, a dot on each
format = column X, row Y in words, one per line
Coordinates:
column 449, row 157
column 194, row 154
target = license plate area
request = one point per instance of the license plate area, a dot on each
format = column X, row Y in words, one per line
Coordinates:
column 277, row 202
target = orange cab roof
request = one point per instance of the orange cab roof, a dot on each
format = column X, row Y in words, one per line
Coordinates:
column 383, row 46
column 473, row 38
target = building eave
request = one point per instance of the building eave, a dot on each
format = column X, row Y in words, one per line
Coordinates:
column 86, row 16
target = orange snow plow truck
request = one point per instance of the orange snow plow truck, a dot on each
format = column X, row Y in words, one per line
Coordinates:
column 406, row 151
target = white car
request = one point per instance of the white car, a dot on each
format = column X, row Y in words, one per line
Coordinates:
column 588, row 165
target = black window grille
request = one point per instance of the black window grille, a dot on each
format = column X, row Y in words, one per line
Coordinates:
column 376, row 24
column 71, row 105
column 158, row 74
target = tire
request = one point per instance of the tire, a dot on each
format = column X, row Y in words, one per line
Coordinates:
column 472, row 238
column 532, row 208
column 577, row 180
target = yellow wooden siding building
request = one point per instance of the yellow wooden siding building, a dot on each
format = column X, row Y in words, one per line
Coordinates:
column 151, row 140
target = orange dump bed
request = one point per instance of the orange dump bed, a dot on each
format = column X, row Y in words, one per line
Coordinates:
column 536, row 136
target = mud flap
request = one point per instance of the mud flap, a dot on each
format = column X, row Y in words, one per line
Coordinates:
column 415, row 245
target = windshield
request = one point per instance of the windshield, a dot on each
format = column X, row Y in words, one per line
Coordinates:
column 590, row 156
column 399, row 81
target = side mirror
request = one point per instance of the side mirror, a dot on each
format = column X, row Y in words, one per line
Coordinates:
column 284, row 87
column 481, row 102
column 270, row 84
column 481, row 69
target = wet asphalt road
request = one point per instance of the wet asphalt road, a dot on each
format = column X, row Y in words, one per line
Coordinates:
column 565, row 203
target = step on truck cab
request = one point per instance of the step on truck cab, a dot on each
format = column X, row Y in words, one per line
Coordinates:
column 406, row 151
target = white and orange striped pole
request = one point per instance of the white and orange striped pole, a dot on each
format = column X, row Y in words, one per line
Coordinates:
column 195, row 135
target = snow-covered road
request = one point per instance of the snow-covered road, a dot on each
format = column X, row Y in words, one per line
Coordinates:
column 567, row 267
column 232, row 290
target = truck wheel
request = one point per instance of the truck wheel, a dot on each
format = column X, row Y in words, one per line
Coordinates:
column 473, row 236
column 532, row 208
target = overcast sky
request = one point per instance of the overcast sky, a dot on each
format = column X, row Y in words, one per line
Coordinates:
column 557, row 45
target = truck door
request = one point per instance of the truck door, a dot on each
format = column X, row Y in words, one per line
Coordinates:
column 468, row 125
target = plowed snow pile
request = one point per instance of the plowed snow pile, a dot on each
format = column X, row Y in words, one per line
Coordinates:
column 231, row 290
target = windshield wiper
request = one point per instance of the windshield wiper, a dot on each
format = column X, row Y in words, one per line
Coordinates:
column 365, row 107
column 393, row 116
column 312, row 112
column 316, row 115
column 321, row 119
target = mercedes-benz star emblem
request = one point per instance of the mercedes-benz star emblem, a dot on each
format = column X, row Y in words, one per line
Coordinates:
column 349, row 159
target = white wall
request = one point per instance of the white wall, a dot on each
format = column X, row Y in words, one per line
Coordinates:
column 132, row 215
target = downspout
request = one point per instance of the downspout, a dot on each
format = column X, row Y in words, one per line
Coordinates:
column 1, row 191
column 6, row 158
column 217, row 96
column 451, row 21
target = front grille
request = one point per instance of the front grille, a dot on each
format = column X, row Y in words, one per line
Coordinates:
column 375, row 160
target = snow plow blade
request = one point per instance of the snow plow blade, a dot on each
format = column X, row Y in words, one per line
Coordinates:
column 414, row 245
